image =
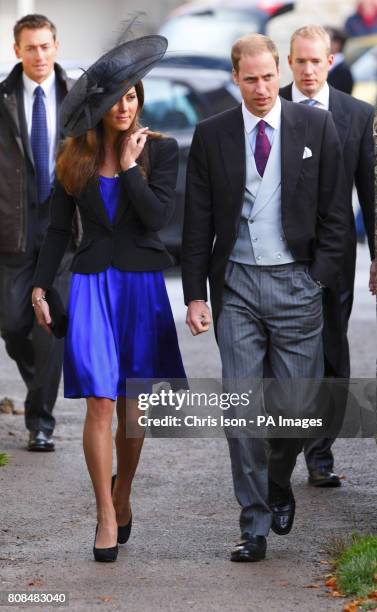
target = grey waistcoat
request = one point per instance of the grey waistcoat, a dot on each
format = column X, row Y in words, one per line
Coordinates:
column 260, row 239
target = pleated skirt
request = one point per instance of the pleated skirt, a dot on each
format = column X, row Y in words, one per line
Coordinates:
column 120, row 326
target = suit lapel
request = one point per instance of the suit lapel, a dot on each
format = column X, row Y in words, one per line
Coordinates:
column 96, row 203
column 341, row 118
column 60, row 95
column 293, row 135
column 339, row 114
column 123, row 201
column 232, row 145
column 122, row 205
column 10, row 104
column 23, row 124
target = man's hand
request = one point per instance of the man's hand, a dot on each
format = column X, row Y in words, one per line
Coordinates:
column 198, row 317
column 372, row 277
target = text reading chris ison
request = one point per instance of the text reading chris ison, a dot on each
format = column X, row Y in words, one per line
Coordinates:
column 224, row 401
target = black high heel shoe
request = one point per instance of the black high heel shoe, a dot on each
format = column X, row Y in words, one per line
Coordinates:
column 124, row 531
column 104, row 555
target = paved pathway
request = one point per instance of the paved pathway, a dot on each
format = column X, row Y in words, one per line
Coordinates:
column 185, row 515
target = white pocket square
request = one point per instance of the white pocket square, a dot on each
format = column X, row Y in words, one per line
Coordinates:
column 307, row 153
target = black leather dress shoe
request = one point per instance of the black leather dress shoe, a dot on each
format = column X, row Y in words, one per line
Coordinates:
column 283, row 506
column 40, row 442
column 124, row 531
column 323, row 478
column 253, row 549
column 105, row 555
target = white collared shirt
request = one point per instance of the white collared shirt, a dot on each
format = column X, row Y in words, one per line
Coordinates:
column 49, row 99
column 322, row 97
column 273, row 120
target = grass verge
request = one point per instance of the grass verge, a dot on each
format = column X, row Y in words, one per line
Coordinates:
column 356, row 567
column 4, row 459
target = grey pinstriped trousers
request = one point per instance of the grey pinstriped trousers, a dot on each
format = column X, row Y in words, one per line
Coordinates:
column 273, row 315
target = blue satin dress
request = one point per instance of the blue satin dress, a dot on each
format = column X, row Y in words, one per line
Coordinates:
column 120, row 326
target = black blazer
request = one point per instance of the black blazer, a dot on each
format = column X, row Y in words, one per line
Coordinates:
column 341, row 78
column 354, row 123
column 131, row 242
column 312, row 197
column 23, row 220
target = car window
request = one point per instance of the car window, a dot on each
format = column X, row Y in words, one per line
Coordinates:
column 219, row 100
column 169, row 105
column 365, row 68
column 207, row 34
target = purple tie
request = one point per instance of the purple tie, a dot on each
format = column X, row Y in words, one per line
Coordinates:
column 262, row 148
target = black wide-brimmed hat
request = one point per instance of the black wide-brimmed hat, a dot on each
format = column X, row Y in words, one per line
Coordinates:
column 107, row 80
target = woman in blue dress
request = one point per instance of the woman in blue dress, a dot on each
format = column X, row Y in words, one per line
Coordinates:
column 121, row 177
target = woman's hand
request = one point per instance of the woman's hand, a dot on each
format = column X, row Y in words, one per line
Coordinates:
column 132, row 147
column 41, row 309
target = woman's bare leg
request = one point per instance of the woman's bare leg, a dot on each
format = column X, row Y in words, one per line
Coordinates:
column 98, row 450
column 128, row 452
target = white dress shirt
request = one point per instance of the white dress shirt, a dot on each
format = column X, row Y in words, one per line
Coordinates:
column 322, row 97
column 49, row 99
column 272, row 119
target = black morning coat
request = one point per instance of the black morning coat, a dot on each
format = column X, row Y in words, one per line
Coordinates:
column 313, row 197
column 131, row 243
column 353, row 120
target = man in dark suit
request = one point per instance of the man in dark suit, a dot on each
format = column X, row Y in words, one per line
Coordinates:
column 310, row 60
column 264, row 221
column 30, row 100
column 340, row 75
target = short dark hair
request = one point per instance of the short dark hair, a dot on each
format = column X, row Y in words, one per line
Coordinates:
column 337, row 35
column 32, row 22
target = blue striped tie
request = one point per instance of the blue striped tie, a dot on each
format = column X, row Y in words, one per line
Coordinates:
column 309, row 102
column 39, row 145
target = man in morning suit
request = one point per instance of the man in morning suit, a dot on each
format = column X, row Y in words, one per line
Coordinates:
column 264, row 221
column 30, row 99
column 310, row 60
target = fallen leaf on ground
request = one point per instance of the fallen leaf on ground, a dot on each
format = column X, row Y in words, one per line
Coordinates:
column 106, row 598
column 331, row 582
column 312, row 586
column 337, row 594
column 35, row 582
column 372, row 595
column 353, row 605
column 6, row 405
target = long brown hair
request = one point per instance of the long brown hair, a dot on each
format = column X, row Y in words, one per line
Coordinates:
column 80, row 158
